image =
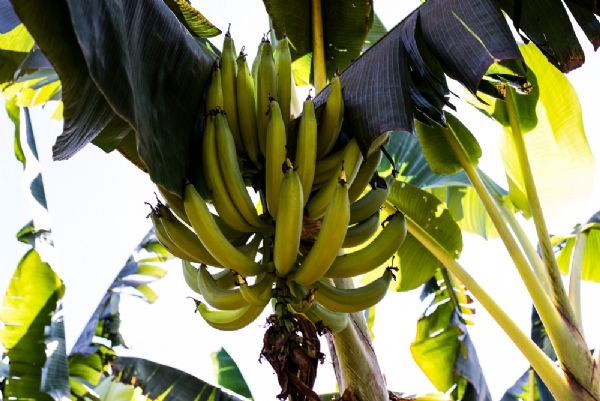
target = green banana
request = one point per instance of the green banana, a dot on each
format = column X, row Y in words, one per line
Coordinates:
column 288, row 224
column 331, row 118
column 283, row 68
column 225, row 278
column 214, row 95
column 330, row 164
column 371, row 202
column 365, row 173
column 351, row 300
column 214, row 295
column 259, row 293
column 361, row 232
column 246, row 107
column 266, row 88
column 306, row 147
column 212, row 237
column 317, row 204
column 228, row 76
column 229, row 320
column 374, row 254
column 330, row 320
column 329, row 240
column 165, row 240
column 222, row 201
column 256, row 61
column 174, row 202
column 231, row 174
column 251, row 248
column 275, row 157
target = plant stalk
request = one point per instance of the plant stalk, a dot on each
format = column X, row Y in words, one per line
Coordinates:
column 318, row 42
column 575, row 275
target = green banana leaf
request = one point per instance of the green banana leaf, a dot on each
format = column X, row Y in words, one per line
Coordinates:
column 31, row 300
column 590, row 269
column 229, row 375
column 109, row 390
column 167, row 383
column 15, row 44
column 524, row 389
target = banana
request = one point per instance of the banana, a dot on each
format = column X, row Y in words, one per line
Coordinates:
column 317, row 204
column 288, row 224
column 164, row 239
column 329, row 240
column 256, row 61
column 231, row 174
column 283, row 68
column 212, row 237
column 251, row 248
column 266, row 88
column 374, row 254
column 330, row 164
column 330, row 320
column 361, row 232
column 189, row 275
column 259, row 293
column 331, row 118
column 275, row 157
column 371, row 202
column 225, row 278
column 365, row 173
column 214, row 95
column 216, row 296
column 184, row 238
column 351, row 300
column 229, row 320
column 174, row 202
column 228, row 76
column 246, row 107
column 306, row 147
column 222, row 201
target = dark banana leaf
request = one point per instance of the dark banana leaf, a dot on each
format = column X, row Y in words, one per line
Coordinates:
column 229, row 375
column 8, row 18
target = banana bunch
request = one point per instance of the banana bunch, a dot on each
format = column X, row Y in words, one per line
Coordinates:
column 286, row 196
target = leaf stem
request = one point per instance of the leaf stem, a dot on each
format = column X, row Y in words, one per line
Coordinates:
column 550, row 373
column 575, row 276
column 320, row 76
column 450, row 288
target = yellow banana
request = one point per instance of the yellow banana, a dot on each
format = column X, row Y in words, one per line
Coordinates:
column 228, row 76
column 259, row 293
column 225, row 278
column 266, row 88
column 216, row 296
column 371, row 202
column 352, row 299
column 164, row 239
column 317, row 204
column 256, row 61
column 306, row 147
column 288, row 224
column 362, row 231
column 231, row 174
column 229, row 320
column 329, row 240
column 283, row 68
column 275, row 157
column 331, row 118
column 174, row 202
column 374, row 254
column 214, row 95
column 222, row 201
column 246, row 107
column 212, row 237
column 365, row 173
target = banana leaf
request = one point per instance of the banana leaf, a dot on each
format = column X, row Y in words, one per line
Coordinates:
column 590, row 269
column 229, row 375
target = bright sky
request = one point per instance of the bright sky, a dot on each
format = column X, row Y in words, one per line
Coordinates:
column 97, row 205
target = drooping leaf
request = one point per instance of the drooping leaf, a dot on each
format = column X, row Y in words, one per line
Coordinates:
column 163, row 381
column 109, row 390
column 193, row 19
column 229, row 375
column 587, row 21
column 14, row 114
column 377, row 31
column 417, row 264
column 15, row 44
column 590, row 268
column 522, row 389
column 8, row 18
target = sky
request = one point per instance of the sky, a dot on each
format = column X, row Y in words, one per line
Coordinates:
column 96, row 202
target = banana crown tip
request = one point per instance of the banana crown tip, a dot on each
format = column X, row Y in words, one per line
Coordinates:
column 287, row 166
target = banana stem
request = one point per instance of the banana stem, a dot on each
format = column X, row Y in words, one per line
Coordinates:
column 558, row 289
column 450, row 288
column 550, row 373
column 318, row 57
column 575, row 276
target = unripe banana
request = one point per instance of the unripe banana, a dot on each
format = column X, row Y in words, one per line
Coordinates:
column 231, row 174
column 361, row 232
column 251, row 248
column 288, row 225
column 256, row 61
column 259, row 293
column 266, row 88
column 371, row 202
column 216, row 296
column 174, row 202
column 317, row 204
column 331, row 118
column 330, row 164
column 275, row 157
column 225, row 278
column 246, row 106
column 329, row 240
column 365, row 173
column 214, row 96
column 212, row 237
column 283, row 68
column 228, row 77
column 351, row 300
column 164, row 239
column 214, row 181
column 374, row 254
column 306, row 147
column 321, row 316
column 229, row 320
